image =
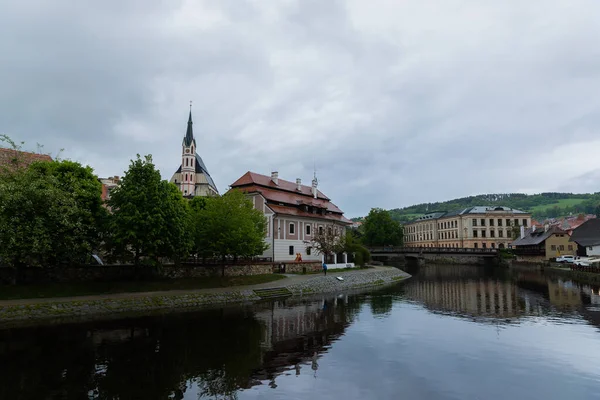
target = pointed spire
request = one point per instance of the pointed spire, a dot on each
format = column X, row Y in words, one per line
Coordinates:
column 189, row 135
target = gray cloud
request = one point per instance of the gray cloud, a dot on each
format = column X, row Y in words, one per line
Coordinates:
column 395, row 102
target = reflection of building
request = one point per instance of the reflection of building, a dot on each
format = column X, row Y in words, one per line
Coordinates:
column 475, row 227
column 295, row 214
column 562, row 294
column 474, row 297
column 537, row 244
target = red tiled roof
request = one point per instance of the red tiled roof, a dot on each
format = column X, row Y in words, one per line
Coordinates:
column 14, row 158
column 250, row 178
column 279, row 196
column 286, row 210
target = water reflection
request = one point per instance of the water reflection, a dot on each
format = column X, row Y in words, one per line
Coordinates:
column 213, row 353
column 351, row 346
column 499, row 296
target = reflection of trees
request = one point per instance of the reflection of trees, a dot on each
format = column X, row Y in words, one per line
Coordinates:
column 381, row 304
column 219, row 351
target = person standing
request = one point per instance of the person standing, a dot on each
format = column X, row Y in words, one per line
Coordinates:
column 325, row 269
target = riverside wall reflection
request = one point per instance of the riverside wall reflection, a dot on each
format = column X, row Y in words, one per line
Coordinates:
column 213, row 352
column 498, row 295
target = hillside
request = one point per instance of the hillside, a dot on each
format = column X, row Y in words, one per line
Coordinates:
column 543, row 205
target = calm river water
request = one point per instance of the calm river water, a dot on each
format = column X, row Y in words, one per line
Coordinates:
column 451, row 332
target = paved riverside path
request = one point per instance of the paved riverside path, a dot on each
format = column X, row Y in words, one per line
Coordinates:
column 291, row 279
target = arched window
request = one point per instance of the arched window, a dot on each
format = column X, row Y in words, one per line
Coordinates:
column 187, row 162
column 186, row 177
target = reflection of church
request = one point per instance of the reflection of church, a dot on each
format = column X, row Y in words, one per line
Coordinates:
column 192, row 176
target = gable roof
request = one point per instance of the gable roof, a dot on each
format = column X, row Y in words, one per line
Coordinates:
column 14, row 158
column 252, row 178
column 588, row 233
column 536, row 237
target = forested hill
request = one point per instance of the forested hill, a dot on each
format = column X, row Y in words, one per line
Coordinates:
column 543, row 205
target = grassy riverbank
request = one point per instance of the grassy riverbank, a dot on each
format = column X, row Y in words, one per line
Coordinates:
column 51, row 290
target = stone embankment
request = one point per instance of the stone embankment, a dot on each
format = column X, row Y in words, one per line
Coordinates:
column 111, row 305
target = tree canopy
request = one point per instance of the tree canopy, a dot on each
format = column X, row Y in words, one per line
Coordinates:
column 228, row 226
column 149, row 216
column 379, row 229
column 49, row 214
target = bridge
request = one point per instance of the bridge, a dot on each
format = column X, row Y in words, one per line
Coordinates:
column 417, row 251
column 452, row 255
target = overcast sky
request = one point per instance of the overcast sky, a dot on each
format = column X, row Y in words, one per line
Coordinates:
column 397, row 102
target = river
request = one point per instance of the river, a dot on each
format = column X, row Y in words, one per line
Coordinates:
column 450, row 332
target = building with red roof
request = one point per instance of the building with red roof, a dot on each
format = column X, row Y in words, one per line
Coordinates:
column 295, row 213
column 12, row 159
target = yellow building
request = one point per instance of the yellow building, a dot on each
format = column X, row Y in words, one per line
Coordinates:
column 473, row 227
column 540, row 244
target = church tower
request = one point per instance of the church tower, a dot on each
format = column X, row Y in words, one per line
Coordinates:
column 188, row 151
column 192, row 177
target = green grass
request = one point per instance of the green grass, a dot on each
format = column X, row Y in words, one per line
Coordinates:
column 558, row 203
column 95, row 288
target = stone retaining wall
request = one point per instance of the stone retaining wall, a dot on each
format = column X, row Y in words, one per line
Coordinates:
column 116, row 273
column 111, row 307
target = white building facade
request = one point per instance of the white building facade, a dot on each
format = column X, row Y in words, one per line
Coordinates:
column 295, row 213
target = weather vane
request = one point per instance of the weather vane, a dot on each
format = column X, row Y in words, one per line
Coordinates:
column 190, row 105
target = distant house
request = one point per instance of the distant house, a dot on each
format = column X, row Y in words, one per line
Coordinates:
column 108, row 184
column 295, row 213
column 537, row 244
column 587, row 237
column 12, row 159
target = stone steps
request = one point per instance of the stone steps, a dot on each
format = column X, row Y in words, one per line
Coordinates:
column 273, row 293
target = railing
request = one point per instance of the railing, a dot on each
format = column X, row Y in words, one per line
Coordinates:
column 462, row 250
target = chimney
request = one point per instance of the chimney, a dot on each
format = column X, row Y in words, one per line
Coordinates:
column 314, row 187
column 299, row 184
column 532, row 228
column 546, row 227
column 275, row 177
column 522, row 231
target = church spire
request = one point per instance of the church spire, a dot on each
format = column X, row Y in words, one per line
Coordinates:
column 189, row 135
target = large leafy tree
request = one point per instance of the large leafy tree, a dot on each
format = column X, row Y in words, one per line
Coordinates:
column 327, row 241
column 229, row 226
column 149, row 216
column 47, row 214
column 381, row 230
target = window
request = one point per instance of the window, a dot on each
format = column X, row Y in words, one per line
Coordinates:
column 292, row 228
column 186, row 162
column 329, row 231
column 500, row 233
column 308, row 230
column 507, row 222
column 491, row 221
column 570, row 247
column 308, row 251
column 524, row 222
column 492, row 233
column 516, row 222
column 493, row 245
column 590, row 248
column 499, row 221
column 561, row 247
column 474, row 222
column 320, row 230
column 291, row 250
column 474, row 233
column 482, row 221
column 483, row 245
column 482, row 233
column 475, row 245
column 553, row 247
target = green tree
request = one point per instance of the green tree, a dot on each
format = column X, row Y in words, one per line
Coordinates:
column 381, row 230
column 229, row 226
column 149, row 216
column 352, row 245
column 42, row 223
